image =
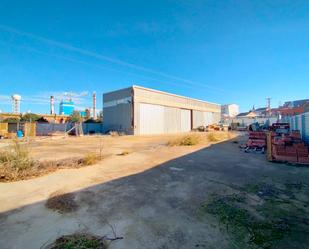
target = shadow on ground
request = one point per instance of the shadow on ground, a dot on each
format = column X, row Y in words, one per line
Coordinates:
column 161, row 207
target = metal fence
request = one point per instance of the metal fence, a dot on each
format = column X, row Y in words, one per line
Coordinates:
column 92, row 128
column 44, row 129
column 301, row 123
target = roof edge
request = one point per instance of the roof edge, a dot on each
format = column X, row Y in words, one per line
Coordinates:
column 172, row 94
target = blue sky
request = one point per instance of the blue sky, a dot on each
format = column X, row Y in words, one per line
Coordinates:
column 221, row 51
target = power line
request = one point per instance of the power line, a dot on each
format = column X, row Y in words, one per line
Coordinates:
column 105, row 58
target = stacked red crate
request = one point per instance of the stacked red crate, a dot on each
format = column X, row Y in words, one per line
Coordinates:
column 284, row 153
column 302, row 152
column 295, row 135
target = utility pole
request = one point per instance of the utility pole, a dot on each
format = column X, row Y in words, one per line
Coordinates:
column 268, row 106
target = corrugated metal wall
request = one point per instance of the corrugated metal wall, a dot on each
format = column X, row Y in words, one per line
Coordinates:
column 185, row 120
column 151, row 119
column 203, row 118
column 44, row 129
column 117, row 111
column 92, row 128
column 198, row 119
column 157, row 119
column 301, row 123
column 172, row 119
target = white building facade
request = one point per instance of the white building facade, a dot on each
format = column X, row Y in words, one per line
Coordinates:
column 229, row 111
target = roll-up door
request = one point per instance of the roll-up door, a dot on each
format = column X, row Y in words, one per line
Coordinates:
column 151, row 119
column 185, row 120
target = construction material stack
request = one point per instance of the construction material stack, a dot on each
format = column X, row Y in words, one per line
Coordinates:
column 282, row 144
column 287, row 146
column 256, row 142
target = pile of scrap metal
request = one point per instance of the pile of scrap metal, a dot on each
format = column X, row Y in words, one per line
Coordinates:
column 287, row 146
column 212, row 127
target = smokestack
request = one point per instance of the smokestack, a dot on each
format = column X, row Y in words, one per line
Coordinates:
column 94, row 99
column 52, row 105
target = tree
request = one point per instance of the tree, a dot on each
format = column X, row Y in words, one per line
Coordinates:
column 75, row 117
column 87, row 114
column 42, row 120
column 91, row 120
column 10, row 120
column 30, row 117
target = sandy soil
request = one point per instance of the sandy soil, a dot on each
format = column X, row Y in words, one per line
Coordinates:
column 145, row 152
column 150, row 196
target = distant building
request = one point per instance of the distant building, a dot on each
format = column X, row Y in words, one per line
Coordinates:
column 66, row 107
column 143, row 111
column 229, row 111
column 296, row 103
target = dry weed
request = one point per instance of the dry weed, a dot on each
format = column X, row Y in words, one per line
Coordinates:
column 187, row 140
column 90, row 158
column 79, row 241
column 9, row 172
column 218, row 136
column 62, row 203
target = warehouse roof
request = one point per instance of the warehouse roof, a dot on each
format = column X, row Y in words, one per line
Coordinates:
column 171, row 94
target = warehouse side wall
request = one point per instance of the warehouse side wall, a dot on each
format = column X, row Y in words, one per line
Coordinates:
column 118, row 111
column 158, row 119
column 157, row 112
column 299, row 122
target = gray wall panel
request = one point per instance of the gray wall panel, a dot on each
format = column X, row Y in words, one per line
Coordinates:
column 117, row 111
column 118, row 118
column 172, row 120
column 151, row 119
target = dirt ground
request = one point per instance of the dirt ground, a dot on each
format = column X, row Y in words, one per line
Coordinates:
column 151, row 196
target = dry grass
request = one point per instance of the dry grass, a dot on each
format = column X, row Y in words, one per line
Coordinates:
column 218, row 136
column 16, row 157
column 16, row 164
column 90, row 158
column 212, row 137
column 79, row 241
column 200, row 138
column 62, row 203
column 187, row 140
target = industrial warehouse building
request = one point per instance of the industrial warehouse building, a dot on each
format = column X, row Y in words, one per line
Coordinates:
column 141, row 111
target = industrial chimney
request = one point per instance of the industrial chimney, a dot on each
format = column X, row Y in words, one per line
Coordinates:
column 52, row 105
column 16, row 103
column 94, row 100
